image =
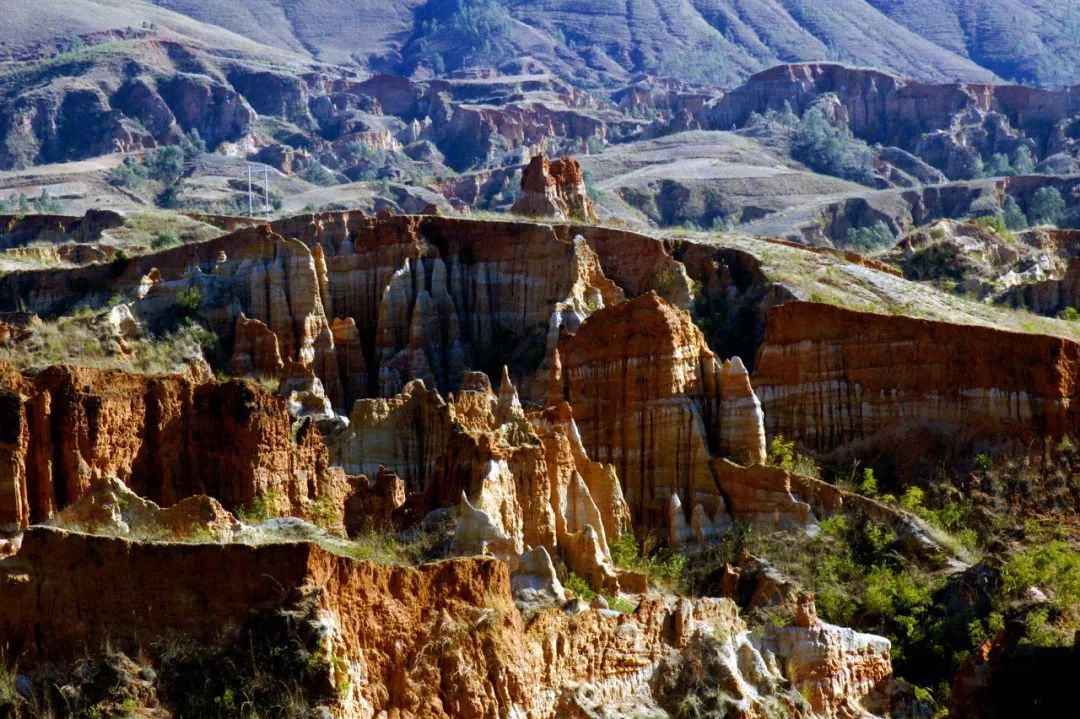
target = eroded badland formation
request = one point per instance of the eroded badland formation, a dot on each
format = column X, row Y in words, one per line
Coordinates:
column 542, row 378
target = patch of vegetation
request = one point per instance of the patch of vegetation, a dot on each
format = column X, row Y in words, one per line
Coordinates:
column 275, row 667
column 579, row 586
column 188, row 302
column 1014, row 217
column 317, row 174
column 829, row 147
column 706, row 62
column 85, row 338
column 261, row 508
column 996, row 224
column 783, row 454
column 9, row 695
column 1022, row 162
column 165, row 167
column 660, row 564
column 868, row 240
column 1069, row 314
column 164, row 240
column 1047, row 207
column 1050, row 563
column 469, row 31
column 44, row 204
column 376, row 543
column 857, row 569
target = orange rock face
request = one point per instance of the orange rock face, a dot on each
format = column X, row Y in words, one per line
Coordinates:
column 652, row 400
column 833, row 667
column 440, row 640
column 519, row 482
column 166, row 437
column 829, row 377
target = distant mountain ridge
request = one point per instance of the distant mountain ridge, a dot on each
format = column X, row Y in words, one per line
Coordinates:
column 720, row 41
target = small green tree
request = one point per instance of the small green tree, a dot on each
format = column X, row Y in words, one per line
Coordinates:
column 1023, row 161
column 999, row 166
column 1047, row 207
column 192, row 144
column 46, row 204
column 831, row 148
column 869, row 239
column 165, row 164
column 188, row 301
column 1012, row 214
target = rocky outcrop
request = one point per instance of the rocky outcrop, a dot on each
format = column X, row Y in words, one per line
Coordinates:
column 256, row 352
column 440, row 640
column 651, row 399
column 1050, row 296
column 1027, row 268
column 556, row 190
column 22, row 230
column 110, row 508
column 833, row 667
column 1006, row 676
column 368, row 304
column 948, row 125
column 831, row 378
column 167, row 438
column 517, row 482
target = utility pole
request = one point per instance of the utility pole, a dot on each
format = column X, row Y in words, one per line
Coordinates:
column 266, row 192
column 251, row 207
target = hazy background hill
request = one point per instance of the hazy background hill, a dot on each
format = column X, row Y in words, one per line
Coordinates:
column 1030, row 41
column 603, row 42
column 721, row 41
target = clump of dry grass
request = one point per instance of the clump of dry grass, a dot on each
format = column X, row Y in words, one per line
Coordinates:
column 86, row 339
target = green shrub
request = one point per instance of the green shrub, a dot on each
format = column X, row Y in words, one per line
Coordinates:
column 999, row 166
column 624, row 550
column 164, row 240
column 1012, row 214
column 192, row 145
column 259, row 509
column 869, row 239
column 996, row 224
column 579, row 586
column 782, row 454
column 188, row 301
column 130, row 174
column 868, row 485
column 1069, row 314
column 831, row 148
column 46, row 204
column 1047, row 207
column 315, row 173
column 165, row 164
column 1052, row 564
column 912, row 499
column 1023, row 160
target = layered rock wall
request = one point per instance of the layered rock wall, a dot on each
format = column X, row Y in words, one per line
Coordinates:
column 440, row 640
column 651, row 399
column 829, row 377
column 166, row 437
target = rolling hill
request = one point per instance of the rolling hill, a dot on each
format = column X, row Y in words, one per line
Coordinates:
column 719, row 41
